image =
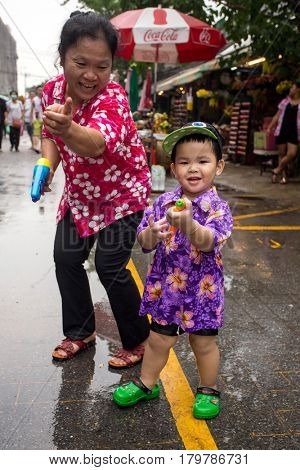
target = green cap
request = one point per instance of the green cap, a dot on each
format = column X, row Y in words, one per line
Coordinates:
column 192, row 128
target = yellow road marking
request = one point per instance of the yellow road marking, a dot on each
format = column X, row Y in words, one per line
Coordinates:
column 238, row 203
column 274, row 244
column 194, row 433
column 136, row 276
column 266, row 227
column 260, row 214
column 248, row 196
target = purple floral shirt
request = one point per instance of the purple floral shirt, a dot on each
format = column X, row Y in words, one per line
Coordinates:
column 184, row 285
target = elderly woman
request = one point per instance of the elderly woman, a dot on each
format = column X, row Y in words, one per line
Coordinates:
column 88, row 126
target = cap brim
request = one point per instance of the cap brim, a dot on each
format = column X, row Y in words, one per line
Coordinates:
column 172, row 139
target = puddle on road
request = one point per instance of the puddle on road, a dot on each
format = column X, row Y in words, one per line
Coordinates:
column 228, row 281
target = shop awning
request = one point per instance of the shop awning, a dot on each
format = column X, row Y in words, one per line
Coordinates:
column 187, row 76
column 193, row 73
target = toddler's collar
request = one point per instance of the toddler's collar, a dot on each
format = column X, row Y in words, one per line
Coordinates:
column 177, row 194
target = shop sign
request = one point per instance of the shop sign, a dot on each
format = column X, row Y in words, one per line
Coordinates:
column 159, row 35
column 167, row 35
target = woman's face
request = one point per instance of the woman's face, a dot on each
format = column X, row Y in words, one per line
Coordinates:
column 87, row 68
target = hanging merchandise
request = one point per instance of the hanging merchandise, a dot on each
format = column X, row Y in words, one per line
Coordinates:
column 178, row 113
column 189, row 100
column 239, row 141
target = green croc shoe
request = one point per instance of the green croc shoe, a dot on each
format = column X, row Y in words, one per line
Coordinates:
column 131, row 393
column 207, row 403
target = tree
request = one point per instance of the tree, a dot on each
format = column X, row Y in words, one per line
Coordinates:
column 272, row 25
column 112, row 8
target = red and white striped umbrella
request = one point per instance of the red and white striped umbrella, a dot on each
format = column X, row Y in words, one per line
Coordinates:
column 167, row 36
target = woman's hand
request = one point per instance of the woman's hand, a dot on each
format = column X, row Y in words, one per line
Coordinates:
column 47, row 188
column 182, row 220
column 58, row 118
column 159, row 229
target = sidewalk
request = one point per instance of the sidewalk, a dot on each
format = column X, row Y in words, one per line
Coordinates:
column 248, row 181
column 243, row 178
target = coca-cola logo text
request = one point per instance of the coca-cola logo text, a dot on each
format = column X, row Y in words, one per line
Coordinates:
column 204, row 37
column 165, row 35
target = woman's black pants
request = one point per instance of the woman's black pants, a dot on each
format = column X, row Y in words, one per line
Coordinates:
column 14, row 136
column 113, row 251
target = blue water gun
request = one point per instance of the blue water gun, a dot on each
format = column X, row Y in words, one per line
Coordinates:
column 40, row 175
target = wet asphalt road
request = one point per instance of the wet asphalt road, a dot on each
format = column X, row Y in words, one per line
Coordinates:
column 68, row 406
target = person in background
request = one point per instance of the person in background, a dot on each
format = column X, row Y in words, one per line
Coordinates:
column 38, row 102
column 184, row 289
column 3, row 114
column 37, row 120
column 89, row 127
column 28, row 115
column 287, row 132
column 15, row 116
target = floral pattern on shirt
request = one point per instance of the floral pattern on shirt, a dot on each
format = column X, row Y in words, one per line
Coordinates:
column 102, row 189
column 184, row 285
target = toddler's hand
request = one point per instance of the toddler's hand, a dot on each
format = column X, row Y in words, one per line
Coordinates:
column 181, row 220
column 159, row 229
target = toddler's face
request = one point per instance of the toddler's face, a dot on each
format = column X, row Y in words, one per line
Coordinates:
column 195, row 167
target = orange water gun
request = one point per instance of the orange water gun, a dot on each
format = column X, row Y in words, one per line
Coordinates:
column 179, row 206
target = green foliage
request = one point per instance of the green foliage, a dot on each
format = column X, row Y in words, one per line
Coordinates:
column 112, row 8
column 273, row 25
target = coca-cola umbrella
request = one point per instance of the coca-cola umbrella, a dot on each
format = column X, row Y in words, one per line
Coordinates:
column 165, row 35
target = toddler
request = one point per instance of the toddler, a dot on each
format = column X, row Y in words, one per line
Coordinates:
column 184, row 289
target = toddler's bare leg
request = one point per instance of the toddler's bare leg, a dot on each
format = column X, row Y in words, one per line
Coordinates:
column 155, row 357
column 207, row 356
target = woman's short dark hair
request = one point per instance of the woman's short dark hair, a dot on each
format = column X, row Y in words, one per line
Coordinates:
column 216, row 147
column 86, row 24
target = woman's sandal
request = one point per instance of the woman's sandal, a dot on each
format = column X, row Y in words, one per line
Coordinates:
column 207, row 403
column 67, row 346
column 283, row 180
column 131, row 393
column 125, row 355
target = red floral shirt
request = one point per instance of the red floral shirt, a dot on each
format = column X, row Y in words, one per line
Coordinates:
column 107, row 187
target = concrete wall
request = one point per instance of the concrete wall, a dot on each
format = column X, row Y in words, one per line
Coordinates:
column 8, row 60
